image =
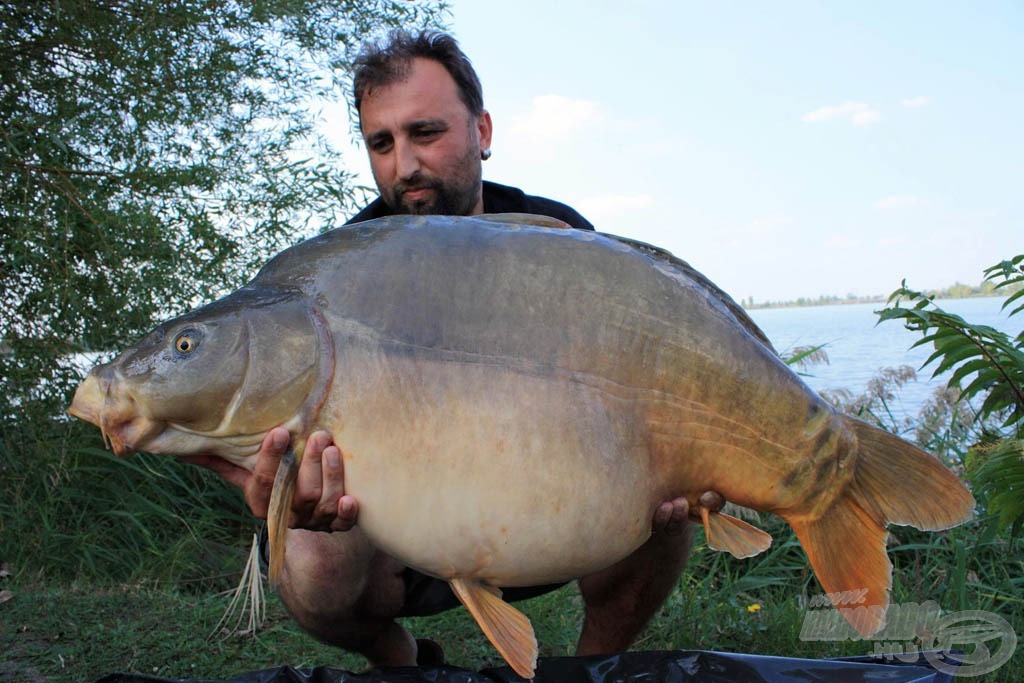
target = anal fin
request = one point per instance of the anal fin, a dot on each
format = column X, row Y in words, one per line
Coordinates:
column 508, row 629
column 733, row 535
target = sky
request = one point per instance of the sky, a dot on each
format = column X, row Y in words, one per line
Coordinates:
column 784, row 149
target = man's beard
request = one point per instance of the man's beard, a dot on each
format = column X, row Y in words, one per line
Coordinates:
column 457, row 196
column 444, row 199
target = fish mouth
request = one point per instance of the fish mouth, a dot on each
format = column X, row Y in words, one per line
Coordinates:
column 124, row 429
column 88, row 401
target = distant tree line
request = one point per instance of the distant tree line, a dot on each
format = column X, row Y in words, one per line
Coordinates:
column 955, row 291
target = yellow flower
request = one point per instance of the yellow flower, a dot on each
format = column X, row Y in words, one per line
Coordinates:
column 756, row 607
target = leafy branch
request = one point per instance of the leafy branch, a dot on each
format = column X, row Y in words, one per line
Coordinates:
column 987, row 368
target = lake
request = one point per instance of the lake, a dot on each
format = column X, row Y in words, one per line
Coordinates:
column 857, row 348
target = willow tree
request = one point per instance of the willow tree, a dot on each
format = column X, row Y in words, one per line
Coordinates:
column 153, row 152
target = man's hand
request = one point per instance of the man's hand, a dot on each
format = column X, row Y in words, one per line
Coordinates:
column 319, row 502
column 671, row 517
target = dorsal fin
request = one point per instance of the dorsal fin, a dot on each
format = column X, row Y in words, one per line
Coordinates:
column 524, row 219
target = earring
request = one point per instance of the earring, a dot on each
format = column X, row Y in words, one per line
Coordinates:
column 485, row 154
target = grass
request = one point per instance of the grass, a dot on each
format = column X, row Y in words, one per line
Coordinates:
column 81, row 631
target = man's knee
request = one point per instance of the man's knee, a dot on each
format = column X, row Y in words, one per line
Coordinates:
column 338, row 588
column 637, row 585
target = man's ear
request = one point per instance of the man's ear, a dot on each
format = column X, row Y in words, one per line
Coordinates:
column 484, row 128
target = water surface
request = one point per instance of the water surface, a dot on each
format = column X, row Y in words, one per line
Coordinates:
column 858, row 347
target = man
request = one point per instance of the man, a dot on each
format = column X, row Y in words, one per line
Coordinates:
column 421, row 114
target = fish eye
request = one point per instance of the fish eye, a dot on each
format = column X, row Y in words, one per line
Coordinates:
column 186, row 343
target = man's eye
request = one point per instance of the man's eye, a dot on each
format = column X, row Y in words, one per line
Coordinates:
column 380, row 146
column 428, row 134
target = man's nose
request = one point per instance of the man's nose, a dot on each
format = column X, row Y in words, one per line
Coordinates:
column 407, row 161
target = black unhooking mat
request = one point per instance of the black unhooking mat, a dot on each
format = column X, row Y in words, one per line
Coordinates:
column 677, row 666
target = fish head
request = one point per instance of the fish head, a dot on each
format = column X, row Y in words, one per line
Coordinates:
column 215, row 380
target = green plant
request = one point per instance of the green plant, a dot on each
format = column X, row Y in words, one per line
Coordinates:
column 874, row 405
column 71, row 511
column 987, row 370
column 152, row 154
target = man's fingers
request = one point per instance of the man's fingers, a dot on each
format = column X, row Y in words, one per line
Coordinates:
column 661, row 516
column 679, row 517
column 320, row 485
column 318, row 501
column 333, row 476
column 261, row 483
column 310, row 483
column 337, row 511
column 331, row 482
column 671, row 516
column 348, row 512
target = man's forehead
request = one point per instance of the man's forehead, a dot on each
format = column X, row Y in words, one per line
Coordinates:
column 427, row 91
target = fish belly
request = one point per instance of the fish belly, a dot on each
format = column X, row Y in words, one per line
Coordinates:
column 476, row 470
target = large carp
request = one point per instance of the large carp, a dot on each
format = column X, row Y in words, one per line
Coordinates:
column 492, row 386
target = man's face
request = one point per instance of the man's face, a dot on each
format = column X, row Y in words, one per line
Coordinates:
column 423, row 143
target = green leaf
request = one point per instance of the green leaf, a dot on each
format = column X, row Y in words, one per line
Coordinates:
column 978, row 365
column 991, row 364
column 1000, row 477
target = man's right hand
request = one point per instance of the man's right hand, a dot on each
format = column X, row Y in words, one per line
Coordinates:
column 319, row 502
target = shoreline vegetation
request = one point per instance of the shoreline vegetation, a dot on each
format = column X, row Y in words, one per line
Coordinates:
column 956, row 291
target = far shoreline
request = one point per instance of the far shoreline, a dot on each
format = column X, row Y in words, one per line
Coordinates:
column 957, row 291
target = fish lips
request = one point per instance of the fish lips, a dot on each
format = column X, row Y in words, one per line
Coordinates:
column 124, row 429
column 127, row 436
column 123, row 436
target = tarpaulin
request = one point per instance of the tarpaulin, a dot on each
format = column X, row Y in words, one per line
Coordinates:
column 676, row 666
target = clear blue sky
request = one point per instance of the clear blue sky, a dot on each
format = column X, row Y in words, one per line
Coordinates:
column 785, row 149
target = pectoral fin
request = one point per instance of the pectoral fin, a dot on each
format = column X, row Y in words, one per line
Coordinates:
column 278, row 511
column 734, row 536
column 508, row 629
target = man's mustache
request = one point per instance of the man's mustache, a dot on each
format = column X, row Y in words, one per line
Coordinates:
column 416, row 183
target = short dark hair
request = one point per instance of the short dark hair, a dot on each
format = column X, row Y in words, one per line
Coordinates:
column 379, row 64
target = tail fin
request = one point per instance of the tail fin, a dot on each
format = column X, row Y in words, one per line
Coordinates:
column 846, row 548
column 894, row 482
column 907, row 485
